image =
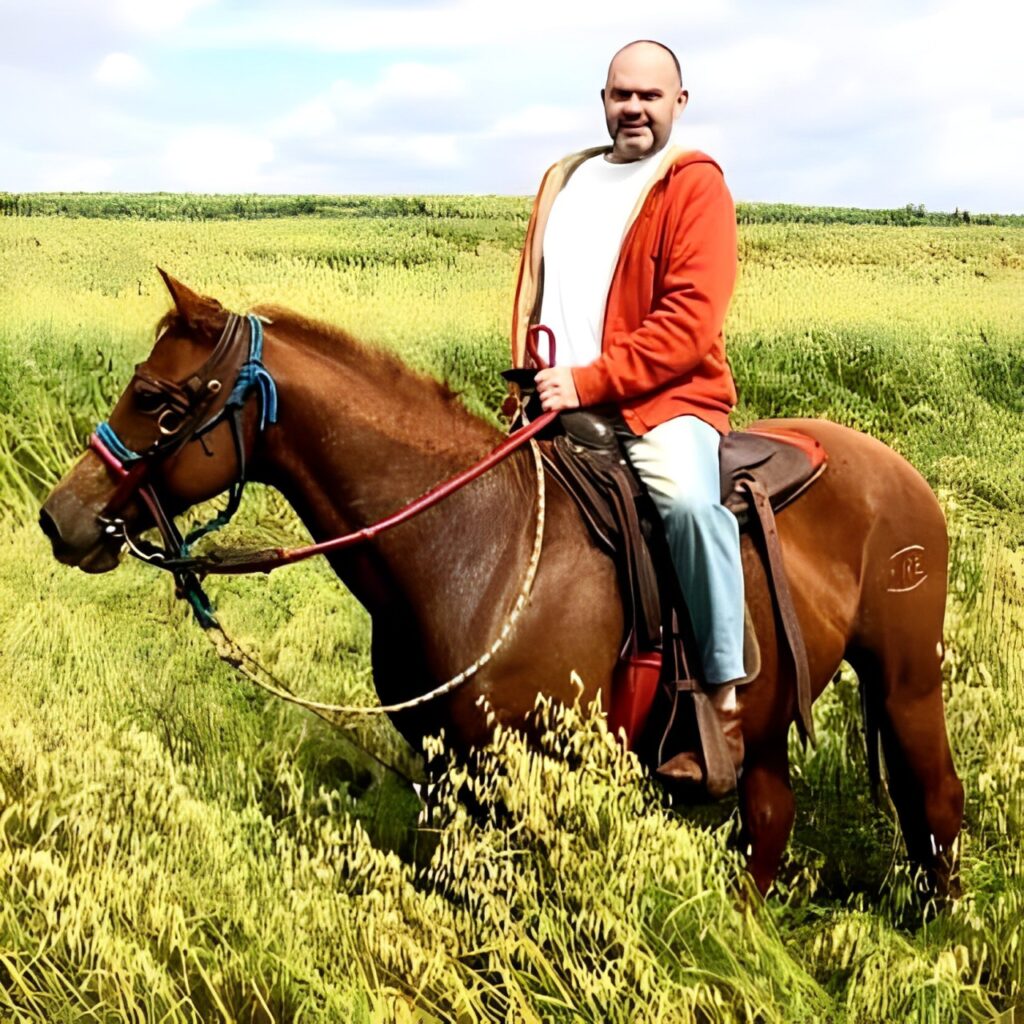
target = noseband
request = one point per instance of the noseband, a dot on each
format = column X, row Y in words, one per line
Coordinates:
column 184, row 412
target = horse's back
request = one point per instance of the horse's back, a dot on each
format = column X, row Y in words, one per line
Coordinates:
column 864, row 474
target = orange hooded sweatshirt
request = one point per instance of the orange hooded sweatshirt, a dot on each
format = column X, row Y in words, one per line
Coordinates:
column 662, row 349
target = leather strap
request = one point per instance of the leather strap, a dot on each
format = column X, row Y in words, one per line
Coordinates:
column 605, row 492
column 719, row 770
column 783, row 600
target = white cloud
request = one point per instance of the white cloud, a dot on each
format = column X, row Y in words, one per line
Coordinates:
column 459, row 26
column 313, row 119
column 152, row 16
column 403, row 82
column 120, row 70
column 418, row 81
column 386, row 116
column 878, row 102
column 952, row 52
column 71, row 173
column 753, row 72
column 215, row 158
column 426, row 150
column 399, row 91
column 975, row 149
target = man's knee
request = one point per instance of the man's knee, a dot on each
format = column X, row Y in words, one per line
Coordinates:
column 686, row 510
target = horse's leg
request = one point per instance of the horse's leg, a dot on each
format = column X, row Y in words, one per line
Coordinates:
column 767, row 808
column 903, row 694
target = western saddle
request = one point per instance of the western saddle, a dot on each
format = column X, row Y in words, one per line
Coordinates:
column 659, row 703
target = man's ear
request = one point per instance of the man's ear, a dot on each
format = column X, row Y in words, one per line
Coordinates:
column 602, row 95
column 199, row 311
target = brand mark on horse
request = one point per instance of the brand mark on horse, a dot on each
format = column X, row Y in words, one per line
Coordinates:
column 906, row 569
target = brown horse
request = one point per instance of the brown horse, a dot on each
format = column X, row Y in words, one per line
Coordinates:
column 358, row 435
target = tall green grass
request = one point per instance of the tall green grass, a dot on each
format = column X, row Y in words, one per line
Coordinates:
column 173, row 847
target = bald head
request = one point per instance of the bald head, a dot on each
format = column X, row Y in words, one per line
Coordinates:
column 656, row 46
column 642, row 98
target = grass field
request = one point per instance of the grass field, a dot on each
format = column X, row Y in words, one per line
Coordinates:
column 175, row 848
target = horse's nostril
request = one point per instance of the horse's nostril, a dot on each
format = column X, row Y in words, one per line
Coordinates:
column 49, row 526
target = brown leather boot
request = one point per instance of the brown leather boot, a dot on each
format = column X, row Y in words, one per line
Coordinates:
column 691, row 766
column 685, row 767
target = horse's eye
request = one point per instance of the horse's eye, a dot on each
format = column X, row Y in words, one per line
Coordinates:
column 149, row 400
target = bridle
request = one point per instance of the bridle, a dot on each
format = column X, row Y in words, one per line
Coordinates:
column 182, row 414
column 185, row 411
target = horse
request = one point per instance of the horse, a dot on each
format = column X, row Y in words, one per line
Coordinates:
column 359, row 434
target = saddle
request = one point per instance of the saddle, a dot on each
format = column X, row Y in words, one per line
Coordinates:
column 761, row 471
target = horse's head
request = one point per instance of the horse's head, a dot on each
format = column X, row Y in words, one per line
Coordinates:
column 169, row 442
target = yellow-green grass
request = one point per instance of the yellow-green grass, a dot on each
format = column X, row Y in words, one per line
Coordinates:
column 173, row 847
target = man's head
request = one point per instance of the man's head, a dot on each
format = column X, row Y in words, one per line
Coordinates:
column 642, row 98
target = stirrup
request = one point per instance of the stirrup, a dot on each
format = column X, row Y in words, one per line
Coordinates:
column 690, row 766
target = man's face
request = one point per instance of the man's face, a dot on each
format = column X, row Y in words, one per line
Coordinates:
column 642, row 99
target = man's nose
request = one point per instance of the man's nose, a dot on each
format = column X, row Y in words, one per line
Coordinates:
column 632, row 107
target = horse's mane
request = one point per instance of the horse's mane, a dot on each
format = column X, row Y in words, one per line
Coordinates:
column 329, row 341
column 337, row 344
column 429, row 403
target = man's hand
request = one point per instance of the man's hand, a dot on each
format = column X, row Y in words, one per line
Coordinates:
column 556, row 389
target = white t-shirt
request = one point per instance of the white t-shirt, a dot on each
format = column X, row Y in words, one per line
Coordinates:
column 581, row 249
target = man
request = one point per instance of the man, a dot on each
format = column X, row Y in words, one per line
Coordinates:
column 630, row 258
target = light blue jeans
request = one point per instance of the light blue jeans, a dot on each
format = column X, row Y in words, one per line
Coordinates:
column 678, row 463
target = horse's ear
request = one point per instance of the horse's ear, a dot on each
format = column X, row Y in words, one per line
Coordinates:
column 196, row 310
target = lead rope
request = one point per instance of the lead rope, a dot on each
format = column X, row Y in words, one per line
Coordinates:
column 230, row 652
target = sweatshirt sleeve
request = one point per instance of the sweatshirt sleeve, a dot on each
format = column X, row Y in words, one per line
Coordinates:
column 689, row 302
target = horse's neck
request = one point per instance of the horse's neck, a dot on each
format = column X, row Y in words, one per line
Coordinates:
column 353, row 445
column 359, row 435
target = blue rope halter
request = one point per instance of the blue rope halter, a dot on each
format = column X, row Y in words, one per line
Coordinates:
column 106, row 433
column 254, row 374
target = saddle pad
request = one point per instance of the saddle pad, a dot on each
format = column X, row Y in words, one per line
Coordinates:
column 784, row 461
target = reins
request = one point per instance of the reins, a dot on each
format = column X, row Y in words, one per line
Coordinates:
column 189, row 570
column 266, row 561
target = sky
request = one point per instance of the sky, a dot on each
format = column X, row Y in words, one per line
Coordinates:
column 877, row 103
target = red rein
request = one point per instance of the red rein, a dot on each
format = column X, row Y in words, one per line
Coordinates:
column 286, row 556
column 131, row 481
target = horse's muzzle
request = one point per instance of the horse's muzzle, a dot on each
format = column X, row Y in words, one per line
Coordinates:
column 75, row 534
